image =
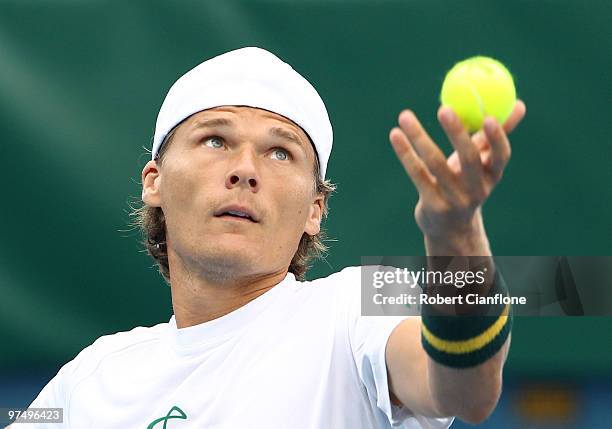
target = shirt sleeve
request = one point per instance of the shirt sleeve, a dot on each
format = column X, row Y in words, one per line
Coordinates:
column 56, row 393
column 53, row 395
column 368, row 337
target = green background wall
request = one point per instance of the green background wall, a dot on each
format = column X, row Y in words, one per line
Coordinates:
column 81, row 84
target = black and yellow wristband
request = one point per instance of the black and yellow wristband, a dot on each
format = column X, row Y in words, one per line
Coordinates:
column 465, row 341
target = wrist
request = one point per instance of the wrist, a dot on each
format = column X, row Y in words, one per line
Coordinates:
column 467, row 240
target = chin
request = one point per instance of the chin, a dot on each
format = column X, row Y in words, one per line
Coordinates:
column 224, row 261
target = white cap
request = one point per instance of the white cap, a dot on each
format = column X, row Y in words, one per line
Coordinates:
column 250, row 77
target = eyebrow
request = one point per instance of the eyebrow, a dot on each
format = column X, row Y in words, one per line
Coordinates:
column 216, row 122
column 224, row 122
column 283, row 133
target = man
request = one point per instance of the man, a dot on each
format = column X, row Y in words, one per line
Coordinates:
column 234, row 197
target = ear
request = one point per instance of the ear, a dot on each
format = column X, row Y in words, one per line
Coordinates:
column 151, row 181
column 315, row 213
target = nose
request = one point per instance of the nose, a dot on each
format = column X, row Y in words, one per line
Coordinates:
column 243, row 172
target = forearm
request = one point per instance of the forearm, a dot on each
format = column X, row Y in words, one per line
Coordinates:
column 468, row 393
column 431, row 389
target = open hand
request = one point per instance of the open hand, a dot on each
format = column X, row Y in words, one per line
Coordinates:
column 451, row 191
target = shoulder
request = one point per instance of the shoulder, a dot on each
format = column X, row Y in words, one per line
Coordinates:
column 114, row 342
column 348, row 283
column 58, row 391
column 353, row 275
column 340, row 290
column 347, row 277
column 91, row 356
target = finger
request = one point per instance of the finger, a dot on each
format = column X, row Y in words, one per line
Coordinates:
column 469, row 155
column 413, row 164
column 486, row 159
column 485, row 156
column 480, row 140
column 500, row 147
column 517, row 115
column 429, row 152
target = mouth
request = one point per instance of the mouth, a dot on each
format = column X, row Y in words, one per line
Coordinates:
column 237, row 213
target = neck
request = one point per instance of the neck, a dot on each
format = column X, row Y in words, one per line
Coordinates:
column 198, row 298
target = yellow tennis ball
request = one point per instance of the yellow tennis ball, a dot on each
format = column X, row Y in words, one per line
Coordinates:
column 476, row 88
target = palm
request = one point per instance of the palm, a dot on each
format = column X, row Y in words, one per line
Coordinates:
column 483, row 146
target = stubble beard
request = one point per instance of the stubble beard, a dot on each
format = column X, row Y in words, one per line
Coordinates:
column 220, row 267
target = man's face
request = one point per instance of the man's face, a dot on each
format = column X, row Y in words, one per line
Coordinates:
column 224, row 163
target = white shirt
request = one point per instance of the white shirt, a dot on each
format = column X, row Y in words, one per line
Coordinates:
column 298, row 356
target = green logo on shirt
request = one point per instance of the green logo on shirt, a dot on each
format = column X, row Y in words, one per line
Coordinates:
column 181, row 415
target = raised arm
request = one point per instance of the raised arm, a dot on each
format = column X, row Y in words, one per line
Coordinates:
column 431, row 381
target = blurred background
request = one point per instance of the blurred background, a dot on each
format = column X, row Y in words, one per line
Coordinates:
column 81, row 83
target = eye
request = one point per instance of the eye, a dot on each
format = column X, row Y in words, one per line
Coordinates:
column 214, row 142
column 280, row 154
